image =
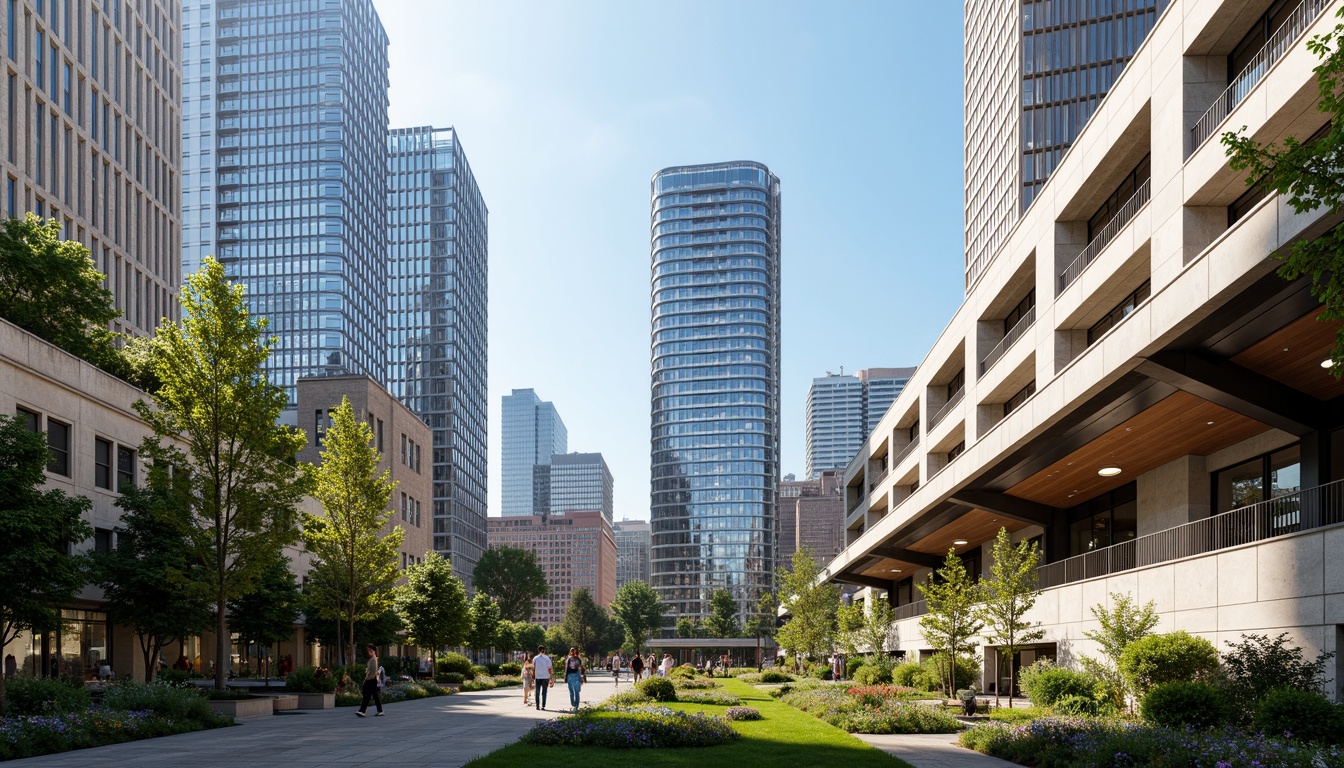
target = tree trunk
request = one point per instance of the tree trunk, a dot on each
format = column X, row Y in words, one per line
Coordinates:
column 998, row 678
column 1012, row 681
column 221, row 642
column 340, row 642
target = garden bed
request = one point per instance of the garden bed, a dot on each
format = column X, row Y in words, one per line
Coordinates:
column 874, row 709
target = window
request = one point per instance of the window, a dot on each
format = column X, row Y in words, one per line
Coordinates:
column 1123, row 192
column 102, row 540
column 1016, row 401
column 30, row 419
column 380, row 435
column 956, row 450
column 1267, row 476
column 404, row 506
column 125, row 466
column 319, row 427
column 58, row 443
column 1016, row 314
column 405, row 457
column 102, row 463
column 956, row 384
column 1119, row 312
column 1110, row 518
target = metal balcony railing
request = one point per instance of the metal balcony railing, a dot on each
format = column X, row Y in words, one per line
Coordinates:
column 911, row 610
column 947, row 408
column 857, row 503
column 1009, row 339
column 1113, row 227
column 901, row 454
column 1279, row 44
column 877, row 480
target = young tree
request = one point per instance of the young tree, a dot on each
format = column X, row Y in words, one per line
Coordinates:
column 529, row 636
column 506, row 636
column 877, row 630
column 952, row 619
column 1311, row 177
column 1006, row 597
column 50, row 287
column 234, row 479
column 848, row 624
column 37, row 530
column 383, row 629
column 640, row 612
column 433, row 604
column 688, row 628
column 722, row 618
column 358, row 563
column 147, row 580
column 484, row 622
column 1120, row 626
column 515, row 579
column 762, row 624
column 583, row 622
column 811, row 605
column 268, row 614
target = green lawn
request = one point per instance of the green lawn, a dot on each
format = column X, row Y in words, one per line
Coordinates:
column 785, row 737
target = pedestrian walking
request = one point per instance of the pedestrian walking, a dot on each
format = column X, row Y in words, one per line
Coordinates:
column 371, row 686
column 616, row 662
column 576, row 674
column 666, row 666
column 636, row 667
column 529, row 679
column 837, row 666
column 541, row 664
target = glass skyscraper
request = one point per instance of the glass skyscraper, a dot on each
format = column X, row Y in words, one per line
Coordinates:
column 532, row 432
column 715, row 388
column 842, row 411
column 580, row 482
column 284, row 143
column 437, row 263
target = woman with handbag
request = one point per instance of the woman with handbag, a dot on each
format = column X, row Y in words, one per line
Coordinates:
column 576, row 674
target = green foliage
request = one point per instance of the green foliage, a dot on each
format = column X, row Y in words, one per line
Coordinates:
column 1301, row 715
column 175, row 702
column 36, row 528
column 143, row 577
column 953, row 617
column 682, row 671
column 1007, row 596
column 630, row 698
column 44, row 696
column 853, row 663
column 877, row 632
column 717, row 698
column 1121, row 625
column 234, row 479
column 872, row 674
column 455, row 662
column 268, row 614
column 771, row 676
column 307, row 680
column 510, row 668
column 452, row 678
column 584, row 622
column 51, row 288
column 811, row 603
column 1185, row 705
column 905, row 674
column 385, row 629
column 1259, row 664
column 1017, row 715
column 848, row 621
column 819, row 671
column 722, row 619
column 515, row 579
column 1176, row 657
column 479, row 670
column 660, row 728
column 354, row 571
column 639, row 611
column 876, row 711
column 934, row 671
column 433, row 604
column 657, row 688
column 1047, row 686
column 484, row 621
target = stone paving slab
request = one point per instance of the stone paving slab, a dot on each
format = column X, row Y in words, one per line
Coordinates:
column 444, row 732
column 932, row 750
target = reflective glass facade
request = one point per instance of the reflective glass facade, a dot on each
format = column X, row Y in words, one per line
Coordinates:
column 284, row 133
column 436, row 324
column 834, row 426
column 715, row 388
column 531, row 433
column 580, row 482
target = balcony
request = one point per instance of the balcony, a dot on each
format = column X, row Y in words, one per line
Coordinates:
column 1113, row 227
column 901, row 454
column 911, row 610
column 1009, row 339
column 857, row 503
column 878, row 480
column 1279, row 44
column 947, row 408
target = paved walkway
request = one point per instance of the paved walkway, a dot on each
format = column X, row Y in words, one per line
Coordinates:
column 443, row 732
column 932, row 750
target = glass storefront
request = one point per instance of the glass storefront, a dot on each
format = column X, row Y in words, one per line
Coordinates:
column 79, row 649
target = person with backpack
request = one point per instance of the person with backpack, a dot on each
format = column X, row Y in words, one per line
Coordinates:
column 576, row 674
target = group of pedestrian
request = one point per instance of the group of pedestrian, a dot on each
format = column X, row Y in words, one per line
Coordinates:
column 539, row 675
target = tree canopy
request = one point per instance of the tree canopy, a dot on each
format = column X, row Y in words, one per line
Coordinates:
column 584, row 622
column 811, row 605
column 484, row 622
column 234, row 479
column 722, row 619
column 433, row 604
column 639, row 611
column 953, row 617
column 37, row 531
column 514, row 578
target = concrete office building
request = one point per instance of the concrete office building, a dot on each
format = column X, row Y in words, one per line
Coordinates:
column 402, row 439
column 284, row 137
column 91, row 128
column 1035, row 73
column 715, row 401
column 577, row 482
column 436, row 324
column 632, row 551
column 812, row 515
column 576, row 551
column 843, row 410
column 532, row 432
column 1159, row 420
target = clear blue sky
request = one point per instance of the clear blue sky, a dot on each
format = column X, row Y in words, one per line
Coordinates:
column 565, row 110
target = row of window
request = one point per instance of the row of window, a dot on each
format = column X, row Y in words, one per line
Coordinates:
column 114, row 464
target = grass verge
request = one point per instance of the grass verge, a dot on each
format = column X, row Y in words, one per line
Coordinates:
column 784, row 736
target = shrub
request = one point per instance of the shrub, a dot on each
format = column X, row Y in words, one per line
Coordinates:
column 510, row 668
column 872, row 674
column 173, row 676
column 1258, row 664
column 310, row 680
column 1171, row 658
column 819, row 671
column 478, row 671
column 772, row 676
column 1078, row 706
column 906, row 674
column 1048, row 686
column 655, row 727
column 852, row 665
column 455, row 662
column 682, row 683
column 41, row 696
column 742, row 713
column 452, row 678
column 626, row 699
column 1017, row 715
column 984, row 738
column 174, row 702
column 1185, row 705
column 658, row 689
column 721, row 698
column 683, row 672
column 1302, row 715
column 930, row 677
column 492, row 669
column 870, row 711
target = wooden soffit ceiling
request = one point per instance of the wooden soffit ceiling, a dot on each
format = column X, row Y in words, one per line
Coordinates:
column 887, row 568
column 975, row 527
column 1178, row 425
column 1292, row 355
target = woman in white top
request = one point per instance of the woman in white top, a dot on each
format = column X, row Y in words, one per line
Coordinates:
column 666, row 666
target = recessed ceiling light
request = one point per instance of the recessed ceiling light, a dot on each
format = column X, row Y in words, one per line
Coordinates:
column 895, row 570
column 1108, row 471
column 1210, row 423
column 1327, row 363
column 960, row 542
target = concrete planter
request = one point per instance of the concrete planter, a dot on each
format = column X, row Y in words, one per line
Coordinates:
column 242, row 708
column 316, row 700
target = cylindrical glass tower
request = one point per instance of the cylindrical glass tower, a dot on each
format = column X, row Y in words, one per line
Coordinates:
column 715, row 409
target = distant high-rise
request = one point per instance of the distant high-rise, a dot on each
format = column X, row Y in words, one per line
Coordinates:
column 532, row 432
column 842, row 411
column 1035, row 73
column 575, row 551
column 92, row 131
column 715, row 390
column 579, row 482
column 438, row 272
column 812, row 516
column 284, row 143
column 632, row 551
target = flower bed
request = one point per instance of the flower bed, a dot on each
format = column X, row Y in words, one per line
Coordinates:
column 742, row 713
column 872, row 709
column 695, row 683
column 1056, row 742
column 407, row 691
column 719, row 698
column 639, row 728
column 32, row 736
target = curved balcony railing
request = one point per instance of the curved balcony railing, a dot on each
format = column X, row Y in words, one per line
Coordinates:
column 1113, row 227
column 1278, row 44
column 947, row 408
column 1009, row 339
